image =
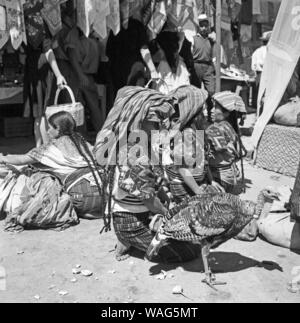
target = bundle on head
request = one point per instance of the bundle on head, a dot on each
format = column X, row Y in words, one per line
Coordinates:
column 211, row 220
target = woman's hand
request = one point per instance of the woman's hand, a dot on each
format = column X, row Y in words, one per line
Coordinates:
column 218, row 187
column 61, row 82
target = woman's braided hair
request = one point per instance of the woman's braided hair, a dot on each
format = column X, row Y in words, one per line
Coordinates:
column 65, row 123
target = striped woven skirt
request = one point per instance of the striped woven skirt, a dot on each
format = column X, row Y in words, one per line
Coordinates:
column 86, row 198
column 133, row 231
column 228, row 177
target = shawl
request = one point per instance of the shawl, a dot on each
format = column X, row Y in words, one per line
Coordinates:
column 190, row 103
column 60, row 155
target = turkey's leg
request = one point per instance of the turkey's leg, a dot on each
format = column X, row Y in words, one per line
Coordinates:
column 210, row 279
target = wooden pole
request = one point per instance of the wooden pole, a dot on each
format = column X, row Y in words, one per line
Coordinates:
column 218, row 32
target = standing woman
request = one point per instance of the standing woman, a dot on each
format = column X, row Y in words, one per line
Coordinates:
column 39, row 68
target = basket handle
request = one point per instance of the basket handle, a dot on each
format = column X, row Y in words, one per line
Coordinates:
column 70, row 93
column 157, row 81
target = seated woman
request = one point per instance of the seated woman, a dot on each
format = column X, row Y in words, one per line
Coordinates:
column 224, row 141
column 69, row 157
column 193, row 176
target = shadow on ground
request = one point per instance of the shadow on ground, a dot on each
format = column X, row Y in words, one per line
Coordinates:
column 221, row 262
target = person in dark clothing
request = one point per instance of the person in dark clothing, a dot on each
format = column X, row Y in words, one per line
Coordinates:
column 129, row 55
column 204, row 70
column 63, row 62
column 40, row 69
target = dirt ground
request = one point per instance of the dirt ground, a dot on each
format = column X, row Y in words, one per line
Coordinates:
column 39, row 266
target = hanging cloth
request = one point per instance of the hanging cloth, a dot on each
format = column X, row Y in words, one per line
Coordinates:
column 34, row 23
column 124, row 12
column 3, row 25
column 52, row 15
column 256, row 7
column 282, row 58
column 113, row 20
column 101, row 10
column 85, row 15
column 159, row 17
column 15, row 22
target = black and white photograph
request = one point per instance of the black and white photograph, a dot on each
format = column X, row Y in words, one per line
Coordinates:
column 149, row 154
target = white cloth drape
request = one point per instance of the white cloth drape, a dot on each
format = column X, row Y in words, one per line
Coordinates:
column 282, row 57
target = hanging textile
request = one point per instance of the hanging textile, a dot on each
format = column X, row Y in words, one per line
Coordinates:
column 113, row 20
column 85, row 16
column 3, row 25
column 182, row 11
column 246, row 12
column 15, row 22
column 101, row 10
column 256, row 7
column 159, row 17
column 34, row 23
column 52, row 15
column 282, row 57
column 124, row 13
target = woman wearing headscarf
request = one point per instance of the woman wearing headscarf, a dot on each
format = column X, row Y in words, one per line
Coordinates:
column 226, row 147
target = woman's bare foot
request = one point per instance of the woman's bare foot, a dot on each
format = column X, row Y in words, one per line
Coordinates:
column 122, row 252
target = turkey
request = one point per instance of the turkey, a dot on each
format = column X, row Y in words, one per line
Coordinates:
column 210, row 220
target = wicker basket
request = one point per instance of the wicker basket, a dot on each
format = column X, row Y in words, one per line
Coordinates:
column 279, row 150
column 76, row 109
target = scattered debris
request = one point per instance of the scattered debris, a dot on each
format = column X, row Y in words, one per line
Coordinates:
column 293, row 288
column 162, row 275
column 178, row 290
column 63, row 293
column 86, row 273
column 76, row 271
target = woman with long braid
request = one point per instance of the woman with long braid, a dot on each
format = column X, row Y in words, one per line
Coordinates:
column 70, row 158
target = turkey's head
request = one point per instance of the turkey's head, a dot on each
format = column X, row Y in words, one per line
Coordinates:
column 266, row 198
